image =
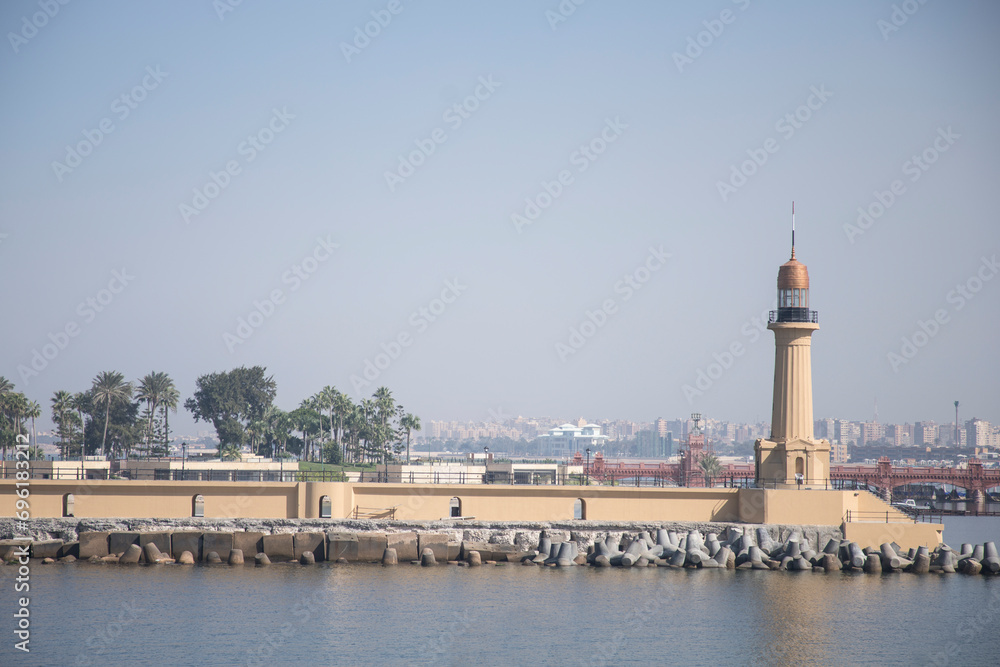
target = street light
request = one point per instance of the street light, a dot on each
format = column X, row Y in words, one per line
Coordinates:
column 588, row 466
column 486, row 457
column 183, row 459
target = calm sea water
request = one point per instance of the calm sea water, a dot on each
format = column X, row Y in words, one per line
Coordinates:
column 511, row 615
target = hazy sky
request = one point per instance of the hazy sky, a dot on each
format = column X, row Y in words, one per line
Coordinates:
column 180, row 165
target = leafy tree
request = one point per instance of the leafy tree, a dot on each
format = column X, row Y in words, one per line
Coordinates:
column 109, row 389
column 232, row 401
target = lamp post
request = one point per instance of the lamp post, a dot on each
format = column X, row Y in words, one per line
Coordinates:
column 588, row 466
column 183, row 459
column 486, row 462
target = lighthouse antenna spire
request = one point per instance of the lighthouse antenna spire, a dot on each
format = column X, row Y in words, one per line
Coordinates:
column 793, row 229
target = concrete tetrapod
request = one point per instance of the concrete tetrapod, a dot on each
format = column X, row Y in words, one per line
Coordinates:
column 991, row 563
column 131, row 555
column 475, row 558
column 427, row 557
column 721, row 556
column 873, row 564
column 389, row 556
column 891, row 560
column 151, row 552
column 236, row 557
column 307, row 558
column 921, row 563
column 187, row 558
column 262, row 559
column 213, row 557
column 858, row 557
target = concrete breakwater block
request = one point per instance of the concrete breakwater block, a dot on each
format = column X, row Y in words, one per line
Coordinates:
column 307, row 558
column 342, row 545
column 262, row 559
column 280, row 547
column 213, row 558
column 405, row 545
column 474, row 558
column 236, row 557
column 70, row 549
column 217, row 541
column 371, row 546
column 93, row 544
column 437, row 543
column 248, row 542
column 118, row 543
column 161, row 539
column 314, row 543
column 46, row 548
column 187, row 558
column 189, row 541
column 390, row 557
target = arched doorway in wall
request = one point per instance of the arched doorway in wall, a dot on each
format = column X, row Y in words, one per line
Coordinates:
column 580, row 509
column 456, row 507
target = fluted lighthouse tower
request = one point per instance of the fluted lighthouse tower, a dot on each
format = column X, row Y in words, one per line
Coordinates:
column 791, row 456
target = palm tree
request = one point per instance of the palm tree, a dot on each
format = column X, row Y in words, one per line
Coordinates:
column 61, row 407
column 168, row 403
column 710, row 467
column 230, row 452
column 409, row 422
column 343, row 407
column 78, row 403
column 32, row 411
column 385, row 406
column 149, row 391
column 15, row 408
column 109, row 388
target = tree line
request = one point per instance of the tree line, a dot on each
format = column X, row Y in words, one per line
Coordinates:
column 118, row 418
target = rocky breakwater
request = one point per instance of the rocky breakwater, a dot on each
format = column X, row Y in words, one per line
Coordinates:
column 625, row 545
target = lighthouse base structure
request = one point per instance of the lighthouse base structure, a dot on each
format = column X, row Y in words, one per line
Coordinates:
column 798, row 463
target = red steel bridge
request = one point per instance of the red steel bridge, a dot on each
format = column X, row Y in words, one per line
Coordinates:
column 974, row 478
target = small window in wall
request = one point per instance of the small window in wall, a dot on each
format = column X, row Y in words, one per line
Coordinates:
column 456, row 507
column 325, row 507
column 68, row 504
column 580, row 509
column 199, row 505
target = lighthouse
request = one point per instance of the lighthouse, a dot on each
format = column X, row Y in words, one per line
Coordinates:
column 791, row 457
